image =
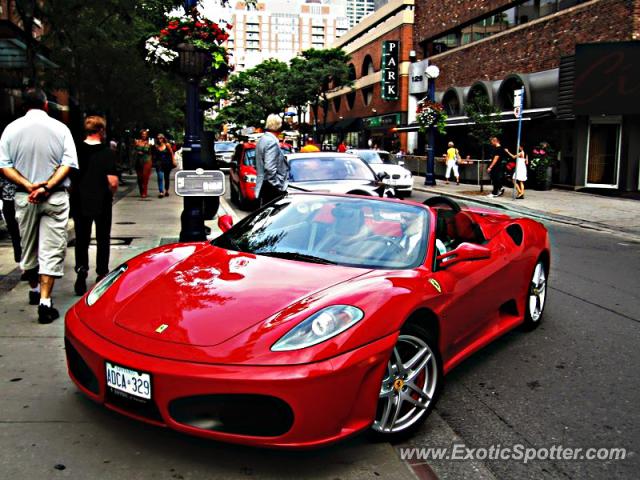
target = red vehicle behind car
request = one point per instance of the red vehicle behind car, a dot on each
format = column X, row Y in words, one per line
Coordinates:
column 242, row 174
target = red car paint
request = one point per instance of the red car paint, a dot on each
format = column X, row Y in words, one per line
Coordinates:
column 243, row 171
column 225, row 309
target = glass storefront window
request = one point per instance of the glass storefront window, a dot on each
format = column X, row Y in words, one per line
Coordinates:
column 485, row 27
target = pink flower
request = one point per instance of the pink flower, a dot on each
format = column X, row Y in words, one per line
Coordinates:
column 542, row 152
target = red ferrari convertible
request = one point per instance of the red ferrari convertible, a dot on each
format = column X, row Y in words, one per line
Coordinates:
column 315, row 317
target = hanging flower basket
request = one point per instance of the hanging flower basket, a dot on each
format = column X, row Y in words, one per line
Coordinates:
column 193, row 45
column 431, row 114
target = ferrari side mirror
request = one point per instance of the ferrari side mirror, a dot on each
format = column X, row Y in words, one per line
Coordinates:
column 225, row 222
column 464, row 253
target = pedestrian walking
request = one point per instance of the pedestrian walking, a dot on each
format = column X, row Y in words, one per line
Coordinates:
column 272, row 168
column 8, row 194
column 143, row 155
column 164, row 161
column 37, row 154
column 93, row 186
column 453, row 157
column 496, row 168
column 520, row 174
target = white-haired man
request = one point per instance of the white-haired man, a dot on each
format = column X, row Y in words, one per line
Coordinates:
column 272, row 168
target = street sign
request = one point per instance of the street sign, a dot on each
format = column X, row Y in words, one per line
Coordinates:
column 518, row 97
column 390, row 72
column 199, row 183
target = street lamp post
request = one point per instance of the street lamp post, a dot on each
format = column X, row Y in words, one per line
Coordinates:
column 432, row 72
column 191, row 66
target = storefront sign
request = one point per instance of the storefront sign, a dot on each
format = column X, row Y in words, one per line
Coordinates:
column 418, row 81
column 390, row 77
column 383, row 121
column 607, row 79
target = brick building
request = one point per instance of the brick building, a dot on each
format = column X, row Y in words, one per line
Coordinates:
column 577, row 61
column 368, row 112
column 15, row 71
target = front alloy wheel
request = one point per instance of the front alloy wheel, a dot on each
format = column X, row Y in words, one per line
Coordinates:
column 536, row 297
column 410, row 386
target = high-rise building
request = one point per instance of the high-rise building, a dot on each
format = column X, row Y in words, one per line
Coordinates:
column 358, row 9
column 280, row 29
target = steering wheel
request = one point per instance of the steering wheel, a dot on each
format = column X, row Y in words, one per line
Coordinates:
column 440, row 200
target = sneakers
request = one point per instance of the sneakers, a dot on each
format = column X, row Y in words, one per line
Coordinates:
column 47, row 314
column 80, row 287
column 501, row 192
column 34, row 298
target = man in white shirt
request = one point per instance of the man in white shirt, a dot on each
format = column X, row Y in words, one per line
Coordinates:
column 36, row 154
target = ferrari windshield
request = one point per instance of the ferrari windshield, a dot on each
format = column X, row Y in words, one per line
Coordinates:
column 311, row 169
column 357, row 232
column 225, row 147
column 370, row 157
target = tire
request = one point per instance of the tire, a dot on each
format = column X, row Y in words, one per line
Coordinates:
column 536, row 298
column 416, row 389
column 233, row 194
column 242, row 202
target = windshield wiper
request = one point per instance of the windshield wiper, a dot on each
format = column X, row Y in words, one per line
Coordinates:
column 297, row 256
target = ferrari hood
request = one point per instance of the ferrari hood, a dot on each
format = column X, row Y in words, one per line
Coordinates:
column 215, row 294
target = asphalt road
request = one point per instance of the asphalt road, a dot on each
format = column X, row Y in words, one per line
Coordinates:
column 572, row 382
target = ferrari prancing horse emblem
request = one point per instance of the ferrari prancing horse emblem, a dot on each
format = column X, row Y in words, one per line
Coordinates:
column 162, row 328
column 435, row 284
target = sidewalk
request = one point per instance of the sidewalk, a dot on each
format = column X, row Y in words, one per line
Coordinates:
column 607, row 214
column 49, row 430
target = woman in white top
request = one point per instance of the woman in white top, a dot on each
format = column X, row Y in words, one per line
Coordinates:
column 520, row 174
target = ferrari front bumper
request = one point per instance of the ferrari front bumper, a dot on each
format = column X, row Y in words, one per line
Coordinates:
column 328, row 400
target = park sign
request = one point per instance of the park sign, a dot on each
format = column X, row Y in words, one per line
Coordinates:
column 390, row 70
column 199, row 183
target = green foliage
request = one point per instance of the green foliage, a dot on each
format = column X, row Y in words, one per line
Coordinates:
column 99, row 49
column 484, row 118
column 329, row 70
column 257, row 92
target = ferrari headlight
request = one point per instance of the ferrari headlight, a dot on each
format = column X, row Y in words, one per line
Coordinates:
column 250, row 178
column 319, row 327
column 104, row 284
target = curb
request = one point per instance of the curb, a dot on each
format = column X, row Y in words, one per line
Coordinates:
column 537, row 214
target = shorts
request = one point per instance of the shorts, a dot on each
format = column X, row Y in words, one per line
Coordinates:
column 43, row 232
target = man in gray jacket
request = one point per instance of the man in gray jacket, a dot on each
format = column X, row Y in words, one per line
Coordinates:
column 271, row 166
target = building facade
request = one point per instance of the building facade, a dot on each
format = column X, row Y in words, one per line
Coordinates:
column 281, row 29
column 359, row 9
column 367, row 113
column 17, row 69
column 578, row 62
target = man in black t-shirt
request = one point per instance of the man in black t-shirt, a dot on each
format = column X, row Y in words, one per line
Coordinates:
column 496, row 168
column 93, row 187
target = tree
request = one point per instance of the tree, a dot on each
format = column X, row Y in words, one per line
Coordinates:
column 98, row 47
column 257, row 92
column 484, row 124
column 300, row 86
column 329, row 69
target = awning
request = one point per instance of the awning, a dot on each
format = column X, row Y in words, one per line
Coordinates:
column 505, row 117
column 348, row 124
column 13, row 55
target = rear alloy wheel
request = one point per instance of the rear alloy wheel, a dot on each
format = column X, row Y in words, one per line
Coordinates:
column 410, row 387
column 536, row 297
